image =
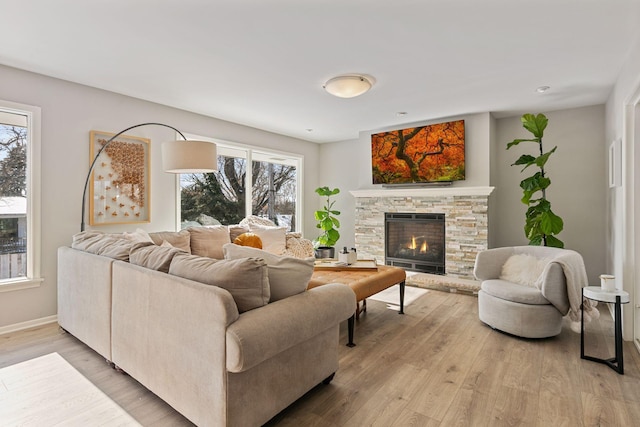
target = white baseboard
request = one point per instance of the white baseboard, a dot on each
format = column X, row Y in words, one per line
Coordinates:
column 29, row 324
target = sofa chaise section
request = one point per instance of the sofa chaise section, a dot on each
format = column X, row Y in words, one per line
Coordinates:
column 186, row 342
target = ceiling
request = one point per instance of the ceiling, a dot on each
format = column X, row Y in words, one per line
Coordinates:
column 262, row 63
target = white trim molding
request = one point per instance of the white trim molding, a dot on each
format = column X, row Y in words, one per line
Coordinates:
column 423, row 192
column 28, row 324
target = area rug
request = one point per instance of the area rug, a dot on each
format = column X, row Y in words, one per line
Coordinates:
column 48, row 391
column 391, row 295
column 443, row 283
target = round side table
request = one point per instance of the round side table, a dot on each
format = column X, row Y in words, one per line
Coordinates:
column 617, row 298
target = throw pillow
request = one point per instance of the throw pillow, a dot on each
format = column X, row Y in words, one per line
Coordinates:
column 138, row 236
column 236, row 230
column 153, row 257
column 248, row 239
column 109, row 245
column 299, row 247
column 252, row 220
column 287, row 275
column 246, row 279
column 177, row 239
column 523, row 269
column 274, row 239
column 208, row 241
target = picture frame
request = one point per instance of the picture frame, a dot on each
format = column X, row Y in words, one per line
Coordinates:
column 428, row 154
column 615, row 163
column 119, row 188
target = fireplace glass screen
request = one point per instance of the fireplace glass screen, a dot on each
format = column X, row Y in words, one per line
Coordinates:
column 415, row 241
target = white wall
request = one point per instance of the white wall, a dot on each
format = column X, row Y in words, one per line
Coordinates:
column 578, row 182
column 347, row 165
column 69, row 112
column 622, row 216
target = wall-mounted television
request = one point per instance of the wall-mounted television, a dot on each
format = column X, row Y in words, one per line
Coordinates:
column 425, row 154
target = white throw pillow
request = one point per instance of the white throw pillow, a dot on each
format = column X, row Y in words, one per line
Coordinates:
column 274, row 239
column 524, row 269
column 287, row 275
column 138, row 236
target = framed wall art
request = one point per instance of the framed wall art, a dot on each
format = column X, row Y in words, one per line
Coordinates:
column 119, row 187
column 425, row 154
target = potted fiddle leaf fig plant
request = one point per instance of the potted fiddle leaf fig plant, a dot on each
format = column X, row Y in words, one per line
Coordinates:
column 328, row 223
column 541, row 224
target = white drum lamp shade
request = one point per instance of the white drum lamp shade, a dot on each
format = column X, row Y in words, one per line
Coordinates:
column 189, row 157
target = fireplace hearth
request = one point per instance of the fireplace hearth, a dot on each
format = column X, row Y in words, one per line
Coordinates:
column 415, row 241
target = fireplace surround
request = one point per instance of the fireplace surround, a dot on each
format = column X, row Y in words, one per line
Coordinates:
column 415, row 241
column 465, row 212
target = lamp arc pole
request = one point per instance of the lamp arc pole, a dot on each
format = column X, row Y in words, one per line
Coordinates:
column 95, row 159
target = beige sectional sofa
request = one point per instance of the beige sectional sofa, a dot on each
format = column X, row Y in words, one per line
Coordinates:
column 219, row 356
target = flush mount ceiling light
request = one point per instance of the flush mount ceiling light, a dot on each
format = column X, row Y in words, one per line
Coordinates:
column 348, row 86
column 542, row 89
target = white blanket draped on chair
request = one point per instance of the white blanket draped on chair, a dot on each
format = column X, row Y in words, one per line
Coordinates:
column 576, row 274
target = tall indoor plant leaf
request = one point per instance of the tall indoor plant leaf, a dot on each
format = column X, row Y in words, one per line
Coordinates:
column 541, row 223
column 327, row 221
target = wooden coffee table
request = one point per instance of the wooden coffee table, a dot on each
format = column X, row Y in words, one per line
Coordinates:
column 364, row 279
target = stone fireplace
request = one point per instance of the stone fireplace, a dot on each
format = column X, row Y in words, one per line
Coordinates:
column 465, row 211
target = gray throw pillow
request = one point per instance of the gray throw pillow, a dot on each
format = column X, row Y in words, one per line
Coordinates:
column 246, row 279
column 208, row 241
column 177, row 239
column 153, row 257
column 109, row 245
column 287, row 275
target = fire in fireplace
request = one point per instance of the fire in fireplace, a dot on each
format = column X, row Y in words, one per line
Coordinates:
column 415, row 241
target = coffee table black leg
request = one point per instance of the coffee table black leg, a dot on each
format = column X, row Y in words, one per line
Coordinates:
column 401, row 298
column 350, row 326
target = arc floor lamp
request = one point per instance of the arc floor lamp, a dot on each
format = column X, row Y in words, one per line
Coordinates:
column 181, row 156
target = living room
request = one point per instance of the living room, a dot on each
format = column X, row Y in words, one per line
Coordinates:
column 599, row 219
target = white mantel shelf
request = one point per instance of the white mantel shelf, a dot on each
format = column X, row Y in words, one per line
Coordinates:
column 423, row 192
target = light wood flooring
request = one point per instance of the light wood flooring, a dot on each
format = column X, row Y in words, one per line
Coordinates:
column 437, row 365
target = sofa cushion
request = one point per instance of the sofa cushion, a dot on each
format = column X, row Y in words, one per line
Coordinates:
column 153, row 257
column 177, row 239
column 208, row 241
column 246, row 279
column 513, row 292
column 273, row 238
column 287, row 275
column 98, row 243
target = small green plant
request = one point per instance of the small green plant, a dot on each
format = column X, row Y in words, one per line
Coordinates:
column 327, row 220
column 541, row 223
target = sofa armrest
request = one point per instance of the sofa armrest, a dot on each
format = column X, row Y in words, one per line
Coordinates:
column 266, row 331
column 489, row 263
column 84, row 297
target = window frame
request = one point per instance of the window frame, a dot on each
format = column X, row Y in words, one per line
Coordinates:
column 33, row 277
column 249, row 149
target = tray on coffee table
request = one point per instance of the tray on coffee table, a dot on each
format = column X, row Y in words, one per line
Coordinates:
column 335, row 265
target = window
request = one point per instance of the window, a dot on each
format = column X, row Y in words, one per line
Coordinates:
column 248, row 181
column 19, row 173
